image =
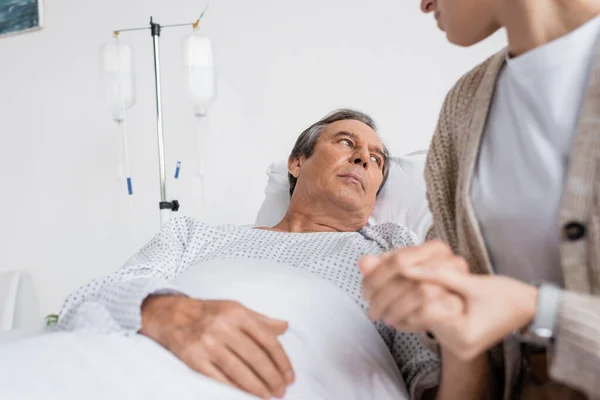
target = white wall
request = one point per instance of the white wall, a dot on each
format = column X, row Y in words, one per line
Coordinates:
column 282, row 65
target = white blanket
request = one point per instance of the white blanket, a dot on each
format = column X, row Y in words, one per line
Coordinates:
column 336, row 351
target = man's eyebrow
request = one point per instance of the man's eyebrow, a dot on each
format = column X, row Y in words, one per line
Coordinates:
column 346, row 133
column 374, row 149
column 378, row 150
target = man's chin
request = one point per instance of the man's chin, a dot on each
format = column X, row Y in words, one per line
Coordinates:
column 352, row 200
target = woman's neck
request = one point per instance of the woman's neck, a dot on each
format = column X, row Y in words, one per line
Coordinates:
column 533, row 23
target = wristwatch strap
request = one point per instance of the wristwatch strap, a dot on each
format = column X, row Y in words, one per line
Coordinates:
column 542, row 329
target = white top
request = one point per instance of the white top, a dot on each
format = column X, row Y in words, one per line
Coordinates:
column 518, row 180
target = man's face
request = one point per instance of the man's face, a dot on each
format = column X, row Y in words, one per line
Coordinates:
column 346, row 168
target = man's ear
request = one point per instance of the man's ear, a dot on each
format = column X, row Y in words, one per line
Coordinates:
column 294, row 165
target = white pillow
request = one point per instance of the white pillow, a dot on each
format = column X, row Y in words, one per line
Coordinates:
column 402, row 200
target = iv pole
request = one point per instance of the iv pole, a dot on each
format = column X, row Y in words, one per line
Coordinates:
column 165, row 206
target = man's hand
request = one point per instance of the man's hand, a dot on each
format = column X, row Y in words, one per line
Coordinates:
column 222, row 340
column 408, row 304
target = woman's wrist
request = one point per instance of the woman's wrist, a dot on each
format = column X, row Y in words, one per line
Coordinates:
column 528, row 304
column 540, row 331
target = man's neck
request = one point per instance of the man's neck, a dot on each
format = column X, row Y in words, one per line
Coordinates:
column 531, row 24
column 301, row 221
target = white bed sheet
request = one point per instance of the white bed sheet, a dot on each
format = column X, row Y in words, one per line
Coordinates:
column 336, row 351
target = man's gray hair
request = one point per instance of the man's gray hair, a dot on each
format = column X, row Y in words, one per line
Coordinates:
column 305, row 144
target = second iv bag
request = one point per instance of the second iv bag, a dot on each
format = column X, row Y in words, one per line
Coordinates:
column 199, row 62
column 118, row 77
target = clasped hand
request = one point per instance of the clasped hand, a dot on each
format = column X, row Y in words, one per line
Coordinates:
column 429, row 288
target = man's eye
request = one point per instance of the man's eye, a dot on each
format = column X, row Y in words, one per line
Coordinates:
column 377, row 160
column 347, row 142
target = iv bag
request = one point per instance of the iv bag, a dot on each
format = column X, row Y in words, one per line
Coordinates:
column 118, row 77
column 201, row 73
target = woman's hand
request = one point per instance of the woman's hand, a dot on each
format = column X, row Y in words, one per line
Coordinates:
column 428, row 288
column 496, row 306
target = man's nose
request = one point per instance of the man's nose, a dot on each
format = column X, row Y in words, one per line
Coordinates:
column 361, row 156
column 360, row 161
column 427, row 6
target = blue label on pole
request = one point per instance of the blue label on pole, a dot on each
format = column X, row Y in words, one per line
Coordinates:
column 177, row 169
column 129, row 186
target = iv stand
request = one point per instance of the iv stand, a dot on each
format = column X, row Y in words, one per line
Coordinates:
column 165, row 206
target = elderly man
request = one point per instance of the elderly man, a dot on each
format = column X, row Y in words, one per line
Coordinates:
column 336, row 169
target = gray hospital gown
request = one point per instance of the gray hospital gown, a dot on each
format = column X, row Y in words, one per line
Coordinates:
column 112, row 303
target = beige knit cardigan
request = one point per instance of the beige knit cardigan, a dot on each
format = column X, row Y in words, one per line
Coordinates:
column 449, row 169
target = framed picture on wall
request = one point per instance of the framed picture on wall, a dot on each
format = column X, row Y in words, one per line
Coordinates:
column 18, row 16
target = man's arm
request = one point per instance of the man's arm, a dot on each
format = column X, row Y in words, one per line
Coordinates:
column 113, row 303
column 220, row 339
column 431, row 372
column 463, row 380
column 420, row 367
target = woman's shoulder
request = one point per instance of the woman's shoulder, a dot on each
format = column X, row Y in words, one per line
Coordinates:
column 450, row 139
column 459, row 105
column 460, row 98
column 471, row 80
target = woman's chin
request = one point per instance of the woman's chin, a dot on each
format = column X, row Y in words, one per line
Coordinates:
column 465, row 39
column 460, row 40
column 440, row 26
